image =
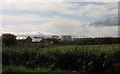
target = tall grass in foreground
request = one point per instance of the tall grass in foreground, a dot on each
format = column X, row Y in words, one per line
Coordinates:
column 82, row 58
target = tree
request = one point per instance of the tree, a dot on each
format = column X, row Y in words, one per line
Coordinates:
column 9, row 39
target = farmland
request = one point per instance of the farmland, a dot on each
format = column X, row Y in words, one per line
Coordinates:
column 62, row 58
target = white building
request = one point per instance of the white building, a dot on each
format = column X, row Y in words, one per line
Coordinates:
column 36, row 39
column 66, row 38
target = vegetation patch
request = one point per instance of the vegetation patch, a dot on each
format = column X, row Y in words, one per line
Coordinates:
column 82, row 58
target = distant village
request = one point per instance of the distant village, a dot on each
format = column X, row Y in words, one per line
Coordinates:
column 66, row 39
column 38, row 39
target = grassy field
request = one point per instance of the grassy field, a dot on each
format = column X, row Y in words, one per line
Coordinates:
column 67, row 58
column 65, row 48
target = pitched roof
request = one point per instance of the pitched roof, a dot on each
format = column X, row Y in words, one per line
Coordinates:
column 21, row 37
column 36, row 39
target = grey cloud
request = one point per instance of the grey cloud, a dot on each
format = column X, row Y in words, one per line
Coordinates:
column 110, row 21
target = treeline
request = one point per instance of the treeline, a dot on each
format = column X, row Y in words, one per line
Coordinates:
column 105, row 40
column 92, row 41
column 83, row 41
column 10, row 40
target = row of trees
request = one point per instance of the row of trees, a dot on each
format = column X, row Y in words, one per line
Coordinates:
column 105, row 40
column 10, row 40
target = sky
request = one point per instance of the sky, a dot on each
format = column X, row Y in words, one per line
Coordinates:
column 62, row 17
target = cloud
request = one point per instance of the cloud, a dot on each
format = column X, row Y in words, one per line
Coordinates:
column 56, row 25
column 103, row 31
column 20, row 28
column 92, row 0
column 36, row 5
column 32, row 0
column 60, row 0
column 23, row 18
column 95, row 10
column 60, row 25
column 65, row 18
column 90, row 9
column 92, row 31
column 109, row 0
column 8, row 20
column 110, row 21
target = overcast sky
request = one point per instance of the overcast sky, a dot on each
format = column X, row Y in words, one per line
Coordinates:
column 80, row 19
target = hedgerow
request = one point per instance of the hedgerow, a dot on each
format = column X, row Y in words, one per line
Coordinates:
column 92, row 59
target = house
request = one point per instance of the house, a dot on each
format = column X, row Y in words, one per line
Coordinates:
column 55, row 37
column 36, row 39
column 24, row 39
column 66, row 38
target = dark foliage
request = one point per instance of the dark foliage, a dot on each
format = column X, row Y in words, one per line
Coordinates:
column 9, row 39
column 91, row 41
column 75, row 60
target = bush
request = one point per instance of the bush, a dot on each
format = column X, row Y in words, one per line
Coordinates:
column 9, row 39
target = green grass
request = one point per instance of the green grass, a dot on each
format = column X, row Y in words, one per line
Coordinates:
column 21, row 68
column 40, row 70
column 97, row 48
